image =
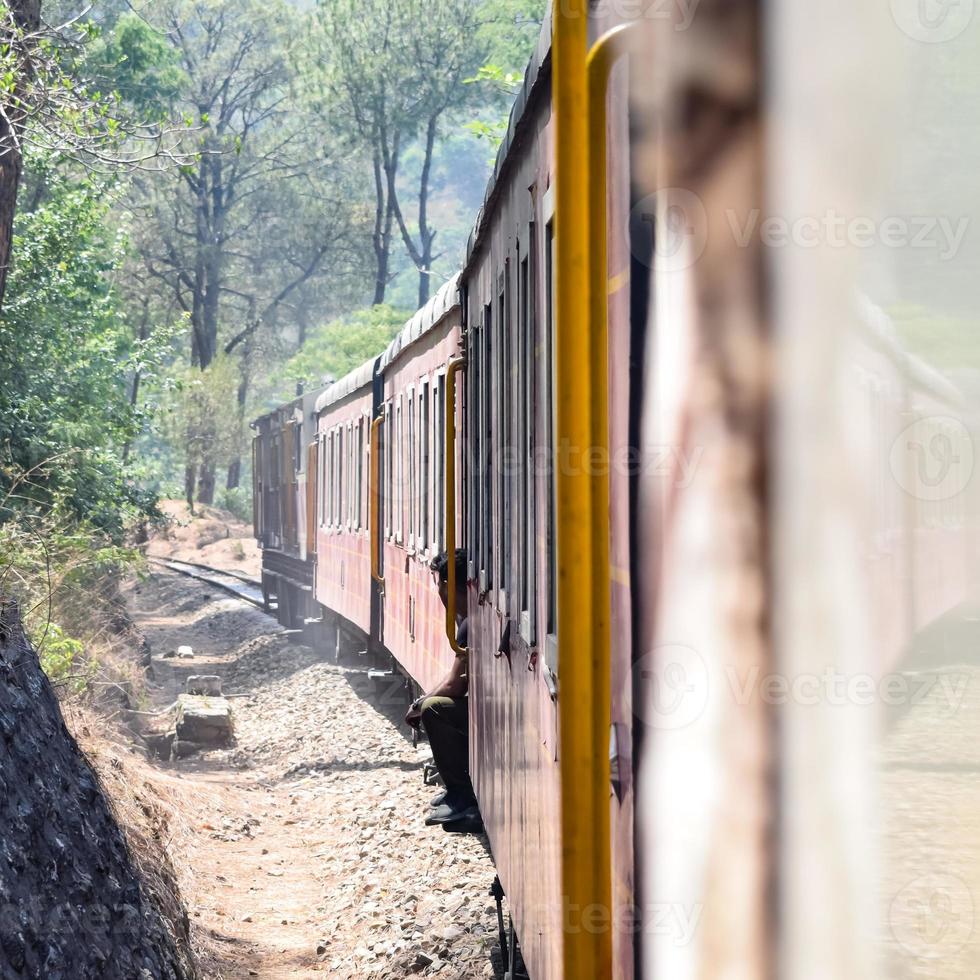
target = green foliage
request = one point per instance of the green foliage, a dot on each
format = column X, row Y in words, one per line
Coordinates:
column 512, row 28
column 58, row 653
column 512, row 31
column 200, row 414
column 67, row 354
column 60, row 570
column 237, row 502
column 138, row 62
column 340, row 346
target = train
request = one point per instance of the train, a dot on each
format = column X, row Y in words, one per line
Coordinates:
column 588, row 407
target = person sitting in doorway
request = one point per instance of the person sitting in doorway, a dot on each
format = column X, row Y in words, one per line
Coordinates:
column 444, row 711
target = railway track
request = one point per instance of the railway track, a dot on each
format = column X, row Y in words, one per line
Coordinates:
column 240, row 586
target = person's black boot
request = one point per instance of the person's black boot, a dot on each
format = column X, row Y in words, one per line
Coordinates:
column 456, row 806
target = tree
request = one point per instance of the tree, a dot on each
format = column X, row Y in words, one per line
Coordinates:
column 336, row 348
column 21, row 20
column 395, row 68
column 445, row 50
column 67, row 353
column 222, row 242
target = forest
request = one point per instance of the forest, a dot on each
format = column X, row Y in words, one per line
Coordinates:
column 205, row 204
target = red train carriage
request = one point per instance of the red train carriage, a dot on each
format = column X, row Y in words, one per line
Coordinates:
column 412, row 530
column 280, row 482
column 509, row 538
column 343, row 576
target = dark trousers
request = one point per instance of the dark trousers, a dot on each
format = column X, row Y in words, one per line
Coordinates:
column 447, row 723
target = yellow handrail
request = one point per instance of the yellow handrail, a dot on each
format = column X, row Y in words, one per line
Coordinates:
column 375, row 489
column 583, row 573
column 454, row 368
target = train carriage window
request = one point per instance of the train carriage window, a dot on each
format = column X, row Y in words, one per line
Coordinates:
column 329, row 482
column 398, row 495
column 425, row 424
column 352, row 479
column 486, row 395
column 360, row 462
column 388, row 436
column 338, row 496
column 332, row 477
column 504, row 380
column 321, row 490
column 474, row 380
column 327, row 471
column 439, row 464
column 549, row 407
column 410, row 449
column 527, row 361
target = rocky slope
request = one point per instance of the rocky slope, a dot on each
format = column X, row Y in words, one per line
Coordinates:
column 71, row 902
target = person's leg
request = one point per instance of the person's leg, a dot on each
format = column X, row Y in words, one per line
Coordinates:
column 446, row 722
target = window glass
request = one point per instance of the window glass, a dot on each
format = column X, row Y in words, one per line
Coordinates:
column 505, row 402
column 486, row 395
column 549, row 407
column 412, row 482
column 527, row 362
column 400, row 477
column 439, row 464
column 388, row 482
column 426, row 467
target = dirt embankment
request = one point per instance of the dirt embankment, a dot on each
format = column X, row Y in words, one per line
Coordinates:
column 74, row 904
column 210, row 536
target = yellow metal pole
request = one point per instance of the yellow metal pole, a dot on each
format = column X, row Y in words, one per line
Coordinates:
column 376, row 501
column 583, row 626
column 454, row 368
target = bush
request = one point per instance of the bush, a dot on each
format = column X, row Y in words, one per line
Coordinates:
column 238, row 502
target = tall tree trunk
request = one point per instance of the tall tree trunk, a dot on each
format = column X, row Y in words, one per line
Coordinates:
column 25, row 18
column 190, row 485
column 144, row 333
column 421, row 254
column 205, row 316
column 427, row 235
column 205, row 482
column 380, row 255
column 235, row 464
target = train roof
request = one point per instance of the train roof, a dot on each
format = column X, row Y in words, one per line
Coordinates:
column 306, row 401
column 420, row 323
column 431, row 315
column 359, row 378
column 537, row 72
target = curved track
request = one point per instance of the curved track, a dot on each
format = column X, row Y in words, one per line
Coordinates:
column 237, row 585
